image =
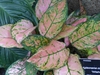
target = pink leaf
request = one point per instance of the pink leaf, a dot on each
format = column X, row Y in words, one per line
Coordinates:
column 81, row 20
column 42, row 6
column 67, row 41
column 9, row 43
column 65, row 32
column 22, row 29
column 6, row 39
column 94, row 56
column 55, row 55
column 52, row 21
column 98, row 48
column 72, row 68
column 5, row 30
column 21, row 36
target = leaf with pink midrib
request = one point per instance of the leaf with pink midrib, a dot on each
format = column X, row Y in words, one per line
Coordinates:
column 49, row 57
column 52, row 21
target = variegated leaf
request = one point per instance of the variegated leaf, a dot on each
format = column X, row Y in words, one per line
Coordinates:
column 98, row 47
column 72, row 68
column 65, row 32
column 21, row 30
column 52, row 21
column 6, row 39
column 87, row 35
column 55, row 55
column 94, row 56
column 49, row 72
column 79, row 21
column 34, row 42
column 21, row 67
column 42, row 6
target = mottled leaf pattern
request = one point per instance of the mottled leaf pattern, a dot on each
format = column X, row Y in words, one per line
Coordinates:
column 30, row 69
column 17, row 68
column 21, row 30
column 34, row 42
column 49, row 57
column 52, row 21
column 49, row 72
column 65, row 32
column 42, row 6
column 21, row 67
column 87, row 35
column 72, row 68
column 6, row 39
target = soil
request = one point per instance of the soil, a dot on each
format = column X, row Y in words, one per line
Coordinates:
column 2, row 71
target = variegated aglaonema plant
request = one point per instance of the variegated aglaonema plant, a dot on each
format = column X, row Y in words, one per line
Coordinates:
column 46, row 52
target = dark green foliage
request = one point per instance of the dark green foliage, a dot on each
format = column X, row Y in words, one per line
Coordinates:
column 9, row 55
column 13, row 10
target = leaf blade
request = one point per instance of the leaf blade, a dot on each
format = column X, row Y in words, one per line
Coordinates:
column 49, row 57
column 21, row 67
column 10, row 55
column 12, row 11
column 86, row 35
column 70, row 68
column 52, row 21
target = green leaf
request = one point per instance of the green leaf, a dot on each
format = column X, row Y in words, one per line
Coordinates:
column 30, row 69
column 34, row 42
column 52, row 21
column 87, row 35
column 49, row 72
column 13, row 10
column 21, row 67
column 53, row 56
column 73, row 67
column 9, row 55
column 31, row 2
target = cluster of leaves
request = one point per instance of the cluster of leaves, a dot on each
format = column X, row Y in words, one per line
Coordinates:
column 47, row 52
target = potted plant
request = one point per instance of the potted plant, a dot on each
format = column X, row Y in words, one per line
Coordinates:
column 48, row 41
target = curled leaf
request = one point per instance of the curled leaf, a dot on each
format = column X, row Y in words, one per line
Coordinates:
column 49, row 57
column 6, row 39
column 81, row 20
column 52, row 21
column 72, row 68
column 21, row 30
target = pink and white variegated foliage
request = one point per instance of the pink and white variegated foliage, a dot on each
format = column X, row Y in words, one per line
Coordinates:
column 11, row 35
column 47, row 52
